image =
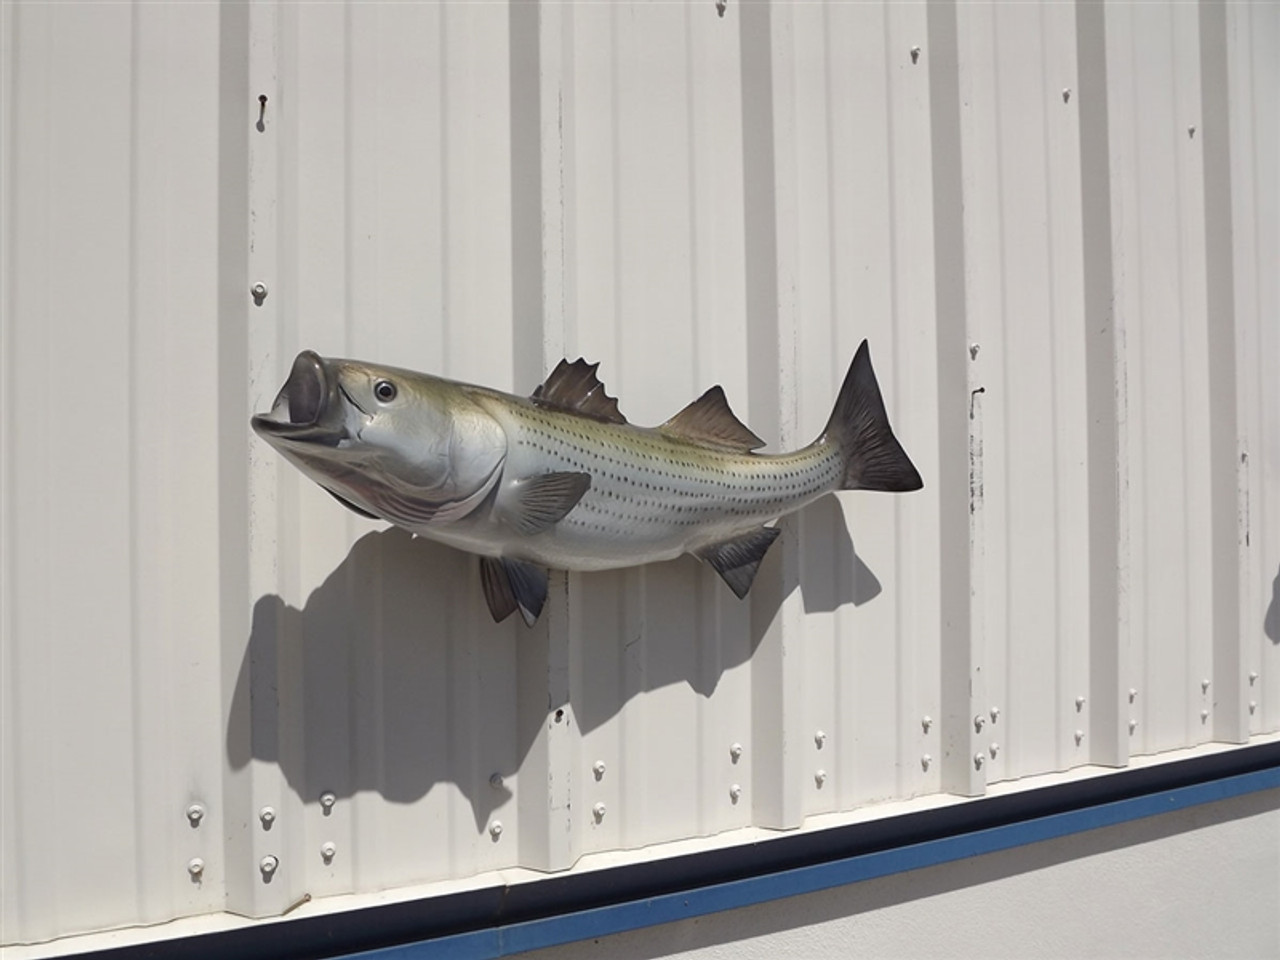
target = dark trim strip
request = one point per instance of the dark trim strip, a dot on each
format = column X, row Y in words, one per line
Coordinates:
column 499, row 921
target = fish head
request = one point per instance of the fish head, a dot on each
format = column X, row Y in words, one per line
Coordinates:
column 399, row 444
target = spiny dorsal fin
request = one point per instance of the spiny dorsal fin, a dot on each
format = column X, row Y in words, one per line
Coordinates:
column 708, row 420
column 737, row 560
column 575, row 387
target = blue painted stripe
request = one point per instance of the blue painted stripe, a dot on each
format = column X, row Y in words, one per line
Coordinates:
column 618, row 918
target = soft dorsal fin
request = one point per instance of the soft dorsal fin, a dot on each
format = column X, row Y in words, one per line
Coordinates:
column 575, row 387
column 709, row 420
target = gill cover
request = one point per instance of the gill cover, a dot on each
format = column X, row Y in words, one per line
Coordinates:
column 427, row 452
column 407, row 447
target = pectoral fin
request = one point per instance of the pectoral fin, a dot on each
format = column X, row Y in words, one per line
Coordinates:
column 737, row 560
column 533, row 504
column 511, row 585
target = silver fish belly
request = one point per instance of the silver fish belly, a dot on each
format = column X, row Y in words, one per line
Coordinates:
column 561, row 480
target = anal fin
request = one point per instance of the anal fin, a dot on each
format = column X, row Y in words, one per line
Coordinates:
column 511, row 585
column 532, row 504
column 737, row 560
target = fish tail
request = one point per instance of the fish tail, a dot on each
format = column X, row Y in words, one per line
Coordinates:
column 874, row 460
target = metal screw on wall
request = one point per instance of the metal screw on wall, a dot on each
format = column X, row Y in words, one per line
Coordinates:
column 259, row 293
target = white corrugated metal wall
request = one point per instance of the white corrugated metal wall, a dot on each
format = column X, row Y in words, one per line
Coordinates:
column 1056, row 224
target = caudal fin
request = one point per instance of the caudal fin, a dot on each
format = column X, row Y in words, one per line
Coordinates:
column 859, row 424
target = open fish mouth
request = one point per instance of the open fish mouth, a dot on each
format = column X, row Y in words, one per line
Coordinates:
column 308, row 407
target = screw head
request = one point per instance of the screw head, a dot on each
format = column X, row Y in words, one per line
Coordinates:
column 1204, row 716
column 995, row 749
column 1133, row 725
column 995, row 714
column 978, row 723
column 258, row 290
column 598, row 769
column 820, row 777
column 598, row 811
column 1133, row 694
column 327, row 800
column 1253, row 677
column 978, row 761
column 195, row 867
column 925, row 723
column 268, row 816
column 1079, row 737
column 328, row 850
column 735, row 752
column 819, row 738
column 1204, row 686
column 925, row 761
column 495, row 781
column 495, row 829
column 1253, row 706
column 1080, row 702
column 268, row 865
column 735, row 793
column 195, row 813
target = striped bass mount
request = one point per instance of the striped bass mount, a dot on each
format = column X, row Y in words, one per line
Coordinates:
column 560, row 479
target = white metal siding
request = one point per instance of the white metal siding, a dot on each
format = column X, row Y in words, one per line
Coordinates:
column 1056, row 224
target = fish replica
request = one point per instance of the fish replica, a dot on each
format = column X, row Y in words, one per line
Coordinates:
column 560, row 479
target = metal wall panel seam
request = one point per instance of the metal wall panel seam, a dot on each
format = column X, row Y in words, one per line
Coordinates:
column 769, row 181
column 1108, row 699
column 261, row 873
column 1230, row 717
column 13, row 888
column 959, row 466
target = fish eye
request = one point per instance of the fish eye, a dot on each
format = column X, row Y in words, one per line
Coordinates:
column 384, row 390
